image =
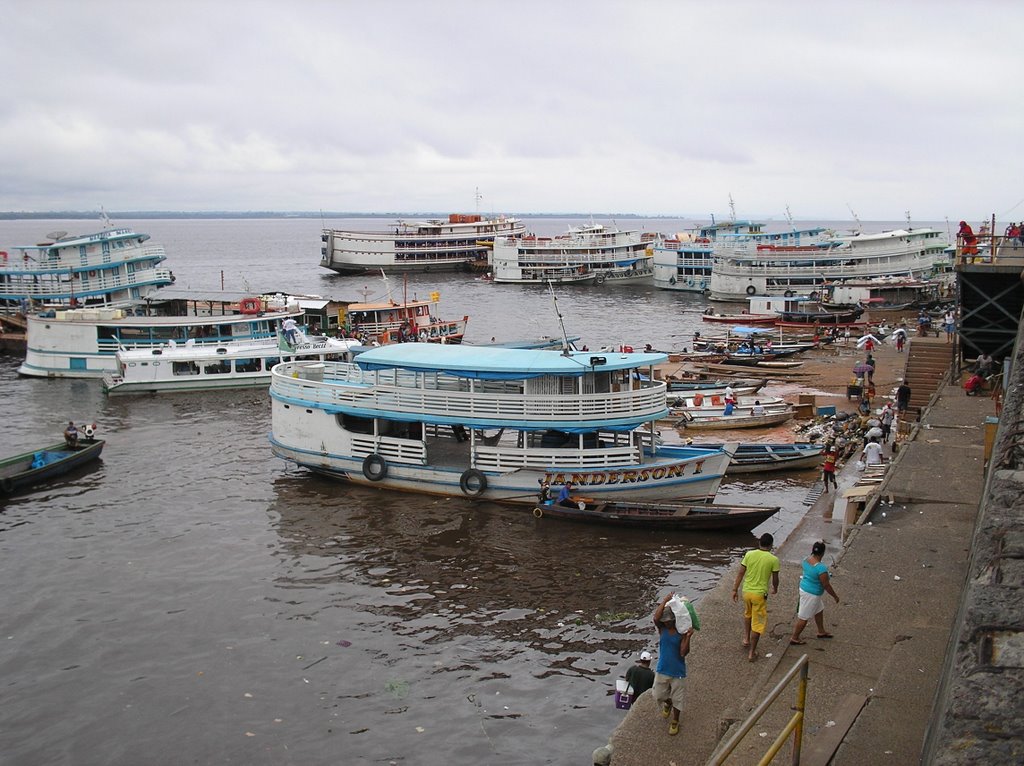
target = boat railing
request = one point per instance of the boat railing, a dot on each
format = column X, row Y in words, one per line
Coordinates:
column 391, row 449
column 94, row 260
column 990, row 249
column 345, row 386
column 509, row 459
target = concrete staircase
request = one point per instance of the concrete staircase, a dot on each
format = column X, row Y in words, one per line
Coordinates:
column 928, row 362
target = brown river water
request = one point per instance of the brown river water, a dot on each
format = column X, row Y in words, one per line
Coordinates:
column 192, row 599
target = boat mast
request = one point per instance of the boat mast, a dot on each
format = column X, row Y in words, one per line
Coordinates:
column 554, row 302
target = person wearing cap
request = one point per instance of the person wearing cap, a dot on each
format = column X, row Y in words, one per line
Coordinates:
column 759, row 566
column 640, row 676
column 673, row 647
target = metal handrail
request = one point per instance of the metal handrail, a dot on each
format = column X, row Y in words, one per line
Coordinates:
column 795, row 726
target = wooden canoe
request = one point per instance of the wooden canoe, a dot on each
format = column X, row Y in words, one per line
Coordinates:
column 52, row 461
column 669, row 516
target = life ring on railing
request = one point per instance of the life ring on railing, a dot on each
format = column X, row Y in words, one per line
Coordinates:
column 789, row 293
column 751, row 289
column 375, row 467
column 6, row 486
column 689, row 283
column 538, row 513
column 472, row 483
column 250, row 306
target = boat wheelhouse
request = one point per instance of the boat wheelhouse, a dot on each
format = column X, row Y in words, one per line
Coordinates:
column 200, row 367
column 802, row 265
column 684, row 262
column 83, row 343
column 410, row 246
column 112, row 268
column 488, row 423
column 586, row 254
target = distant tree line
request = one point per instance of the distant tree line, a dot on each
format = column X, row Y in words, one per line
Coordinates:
column 216, row 214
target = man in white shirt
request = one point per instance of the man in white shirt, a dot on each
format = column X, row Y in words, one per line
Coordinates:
column 289, row 326
column 872, row 454
column 757, row 409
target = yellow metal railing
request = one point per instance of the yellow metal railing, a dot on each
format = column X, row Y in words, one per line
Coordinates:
column 794, row 727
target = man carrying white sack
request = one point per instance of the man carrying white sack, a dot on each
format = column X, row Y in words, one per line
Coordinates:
column 675, row 626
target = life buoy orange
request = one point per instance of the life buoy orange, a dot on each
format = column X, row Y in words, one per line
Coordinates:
column 250, row 305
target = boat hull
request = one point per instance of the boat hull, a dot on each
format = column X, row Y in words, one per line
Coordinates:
column 676, row 517
column 16, row 472
column 722, row 422
column 686, row 480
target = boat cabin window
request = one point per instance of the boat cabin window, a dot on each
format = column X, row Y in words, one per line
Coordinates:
column 248, row 365
column 218, row 368
column 185, row 368
column 355, row 424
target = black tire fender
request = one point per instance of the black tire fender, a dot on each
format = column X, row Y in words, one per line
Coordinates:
column 6, row 486
column 375, row 467
column 472, row 483
column 751, row 289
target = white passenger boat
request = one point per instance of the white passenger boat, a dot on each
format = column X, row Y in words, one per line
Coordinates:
column 684, row 262
column 199, row 367
column 112, row 268
column 409, row 246
column 802, row 265
column 490, row 423
column 83, row 343
column 592, row 254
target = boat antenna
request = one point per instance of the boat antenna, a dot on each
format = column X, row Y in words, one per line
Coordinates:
column 554, row 302
column 848, row 207
column 789, row 217
column 478, row 198
column 105, row 219
column 907, row 213
column 732, row 209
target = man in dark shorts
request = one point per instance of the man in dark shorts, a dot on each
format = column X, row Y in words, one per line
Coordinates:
column 902, row 397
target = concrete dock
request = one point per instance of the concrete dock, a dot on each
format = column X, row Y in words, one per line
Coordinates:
column 899, row 576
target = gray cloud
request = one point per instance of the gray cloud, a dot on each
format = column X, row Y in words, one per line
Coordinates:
column 648, row 107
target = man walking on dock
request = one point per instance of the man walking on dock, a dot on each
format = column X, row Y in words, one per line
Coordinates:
column 757, row 568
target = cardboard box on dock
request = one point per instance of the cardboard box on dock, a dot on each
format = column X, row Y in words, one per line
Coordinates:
column 810, row 399
column 805, row 411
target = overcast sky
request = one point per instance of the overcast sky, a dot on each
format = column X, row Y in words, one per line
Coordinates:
column 583, row 106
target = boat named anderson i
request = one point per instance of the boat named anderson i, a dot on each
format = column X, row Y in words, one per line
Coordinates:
column 489, row 423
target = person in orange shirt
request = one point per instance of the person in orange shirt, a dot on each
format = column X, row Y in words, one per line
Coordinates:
column 828, row 468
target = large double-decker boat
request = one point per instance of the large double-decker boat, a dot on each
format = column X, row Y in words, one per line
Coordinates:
column 594, row 254
column 459, row 243
column 491, row 423
column 683, row 262
column 802, row 262
column 109, row 269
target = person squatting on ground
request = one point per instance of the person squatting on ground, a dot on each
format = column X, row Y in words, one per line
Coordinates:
column 673, row 647
column 814, row 584
column 758, row 567
column 640, row 677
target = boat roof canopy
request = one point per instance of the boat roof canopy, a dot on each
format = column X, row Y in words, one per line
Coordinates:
column 489, row 363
